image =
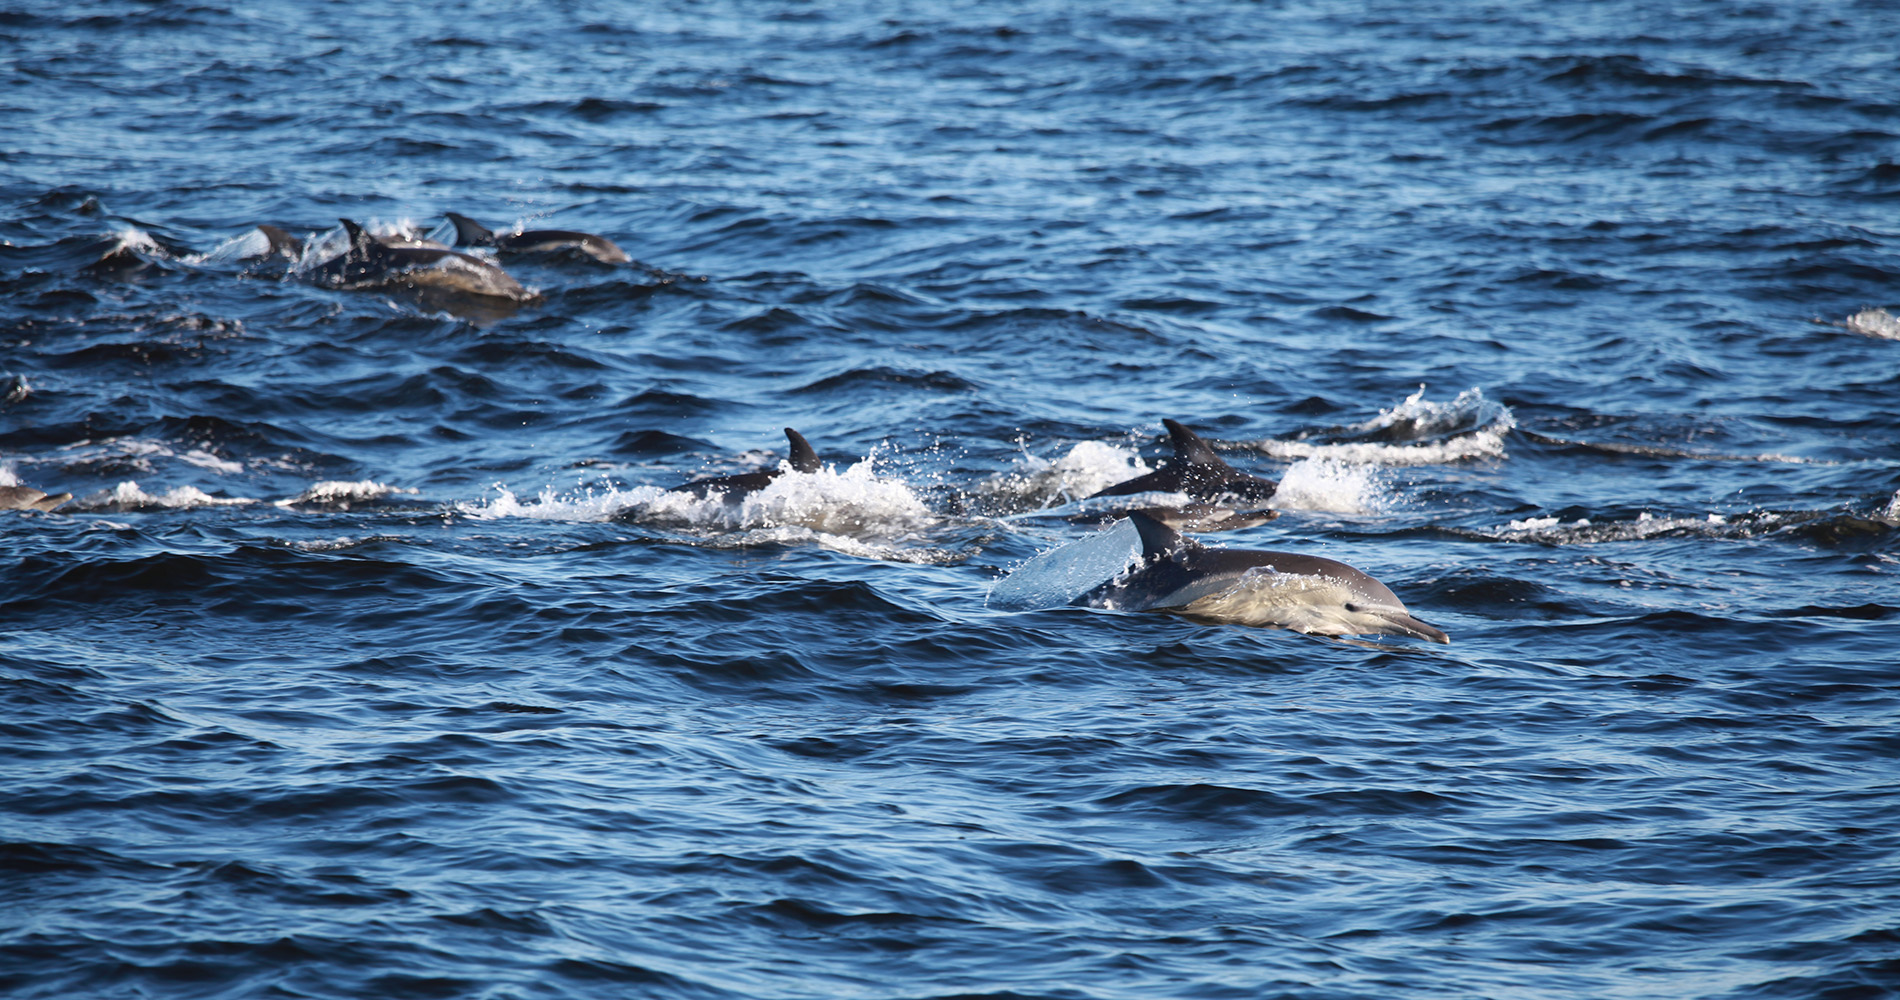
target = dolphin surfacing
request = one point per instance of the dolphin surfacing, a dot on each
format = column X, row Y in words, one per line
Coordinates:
column 468, row 232
column 373, row 263
column 738, row 486
column 1308, row 594
column 1196, row 471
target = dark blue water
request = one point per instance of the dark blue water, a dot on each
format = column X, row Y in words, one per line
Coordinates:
column 368, row 659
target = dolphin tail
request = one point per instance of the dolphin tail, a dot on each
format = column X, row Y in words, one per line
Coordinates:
column 468, row 232
column 803, row 458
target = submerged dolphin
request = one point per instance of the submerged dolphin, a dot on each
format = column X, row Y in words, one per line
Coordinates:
column 468, row 232
column 739, row 485
column 28, row 498
column 1307, row 594
column 370, row 263
column 1194, row 470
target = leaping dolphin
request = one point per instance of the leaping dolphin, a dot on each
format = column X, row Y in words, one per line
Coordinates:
column 1308, row 594
column 1194, row 470
column 468, row 232
column 739, row 485
column 370, row 263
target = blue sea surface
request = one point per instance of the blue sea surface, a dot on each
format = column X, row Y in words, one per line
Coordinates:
column 370, row 656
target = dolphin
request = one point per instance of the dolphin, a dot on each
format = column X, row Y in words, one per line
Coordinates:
column 740, row 485
column 468, row 232
column 1308, row 594
column 371, row 263
column 280, row 242
column 28, row 498
column 1194, row 470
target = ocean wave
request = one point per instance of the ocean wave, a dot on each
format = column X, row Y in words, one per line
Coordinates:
column 127, row 496
column 1832, row 527
column 855, row 502
column 340, row 494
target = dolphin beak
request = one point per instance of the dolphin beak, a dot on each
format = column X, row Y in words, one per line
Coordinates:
column 1404, row 624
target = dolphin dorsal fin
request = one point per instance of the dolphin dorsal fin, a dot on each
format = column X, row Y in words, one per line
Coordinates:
column 1188, row 446
column 1157, row 539
column 360, row 241
column 282, row 242
column 468, row 231
column 803, row 458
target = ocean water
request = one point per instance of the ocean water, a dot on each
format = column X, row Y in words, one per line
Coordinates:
column 370, row 657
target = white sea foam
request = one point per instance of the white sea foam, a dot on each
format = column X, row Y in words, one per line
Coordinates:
column 853, row 502
column 1873, row 323
column 1584, row 531
column 135, row 239
column 128, row 496
column 1415, row 432
column 1087, row 467
column 337, row 491
column 1329, row 484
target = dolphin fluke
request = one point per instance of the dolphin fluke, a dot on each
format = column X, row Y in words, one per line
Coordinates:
column 1287, row 590
column 1194, row 470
